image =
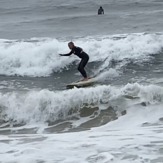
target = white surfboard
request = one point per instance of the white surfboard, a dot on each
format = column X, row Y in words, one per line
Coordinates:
column 79, row 84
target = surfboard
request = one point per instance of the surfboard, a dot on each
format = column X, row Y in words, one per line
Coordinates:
column 80, row 84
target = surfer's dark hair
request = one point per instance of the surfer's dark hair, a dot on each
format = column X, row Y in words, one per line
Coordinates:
column 70, row 43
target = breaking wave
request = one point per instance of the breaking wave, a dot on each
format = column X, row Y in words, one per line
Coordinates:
column 103, row 103
column 39, row 57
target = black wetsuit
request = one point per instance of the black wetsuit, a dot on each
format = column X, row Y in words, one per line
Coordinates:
column 100, row 11
column 84, row 59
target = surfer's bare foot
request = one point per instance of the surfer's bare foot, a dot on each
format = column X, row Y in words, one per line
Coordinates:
column 85, row 79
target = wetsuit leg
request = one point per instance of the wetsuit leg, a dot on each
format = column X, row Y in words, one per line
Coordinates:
column 81, row 66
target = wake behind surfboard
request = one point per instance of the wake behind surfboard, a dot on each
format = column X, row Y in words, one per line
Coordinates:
column 80, row 84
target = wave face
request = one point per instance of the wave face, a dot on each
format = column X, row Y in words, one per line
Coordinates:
column 39, row 57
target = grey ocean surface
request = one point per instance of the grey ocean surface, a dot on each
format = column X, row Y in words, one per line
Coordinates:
column 22, row 19
column 125, row 48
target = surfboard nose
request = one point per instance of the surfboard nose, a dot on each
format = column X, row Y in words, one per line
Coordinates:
column 80, row 84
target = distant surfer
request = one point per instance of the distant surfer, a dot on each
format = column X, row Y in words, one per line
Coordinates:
column 81, row 54
column 100, row 11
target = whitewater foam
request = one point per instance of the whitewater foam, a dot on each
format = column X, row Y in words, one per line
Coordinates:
column 130, row 142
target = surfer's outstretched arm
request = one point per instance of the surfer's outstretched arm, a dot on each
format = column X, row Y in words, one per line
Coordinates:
column 68, row 54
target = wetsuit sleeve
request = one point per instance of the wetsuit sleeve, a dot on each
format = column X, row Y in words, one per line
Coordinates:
column 68, row 54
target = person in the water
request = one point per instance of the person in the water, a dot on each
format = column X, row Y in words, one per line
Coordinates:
column 81, row 54
column 100, row 11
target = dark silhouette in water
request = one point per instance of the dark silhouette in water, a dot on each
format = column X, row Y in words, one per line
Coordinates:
column 100, row 11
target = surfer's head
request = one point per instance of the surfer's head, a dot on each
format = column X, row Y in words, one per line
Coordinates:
column 71, row 45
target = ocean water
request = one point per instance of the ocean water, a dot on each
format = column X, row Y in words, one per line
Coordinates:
column 117, row 120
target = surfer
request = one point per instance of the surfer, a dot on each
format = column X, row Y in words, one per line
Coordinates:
column 100, row 11
column 81, row 54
